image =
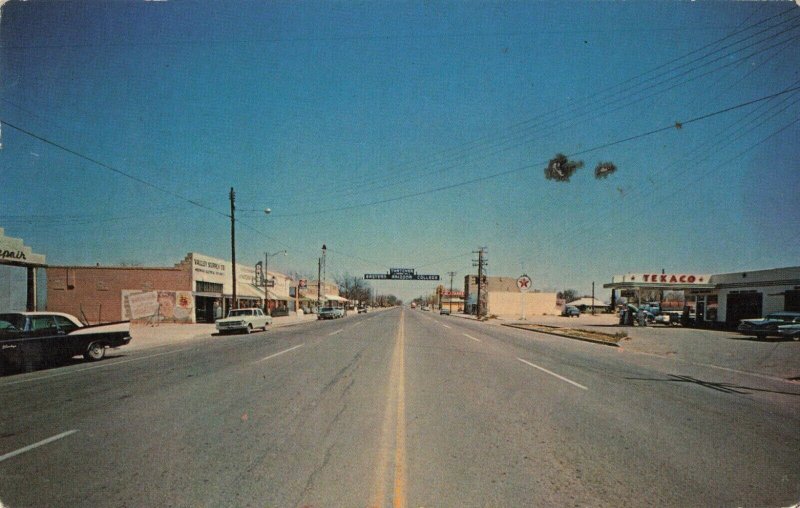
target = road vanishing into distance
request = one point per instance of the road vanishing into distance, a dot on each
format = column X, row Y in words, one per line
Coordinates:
column 396, row 408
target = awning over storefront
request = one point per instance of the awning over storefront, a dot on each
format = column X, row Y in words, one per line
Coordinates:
column 335, row 298
column 279, row 295
column 248, row 291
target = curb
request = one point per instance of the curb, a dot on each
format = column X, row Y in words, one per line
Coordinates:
column 584, row 339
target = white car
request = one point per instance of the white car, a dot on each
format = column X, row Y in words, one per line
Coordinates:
column 243, row 320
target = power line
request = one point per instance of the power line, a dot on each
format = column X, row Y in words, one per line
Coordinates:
column 111, row 168
column 530, row 166
column 551, row 121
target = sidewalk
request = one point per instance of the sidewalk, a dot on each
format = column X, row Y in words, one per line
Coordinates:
column 170, row 333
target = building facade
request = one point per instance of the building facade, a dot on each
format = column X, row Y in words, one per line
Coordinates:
column 199, row 289
column 502, row 298
column 719, row 300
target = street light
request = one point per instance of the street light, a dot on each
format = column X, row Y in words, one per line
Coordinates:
column 267, row 211
column 266, row 275
column 320, row 276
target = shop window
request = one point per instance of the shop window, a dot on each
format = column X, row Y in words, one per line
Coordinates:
column 208, row 287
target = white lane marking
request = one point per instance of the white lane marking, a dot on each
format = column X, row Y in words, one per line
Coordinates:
column 562, row 378
column 337, row 331
column 36, row 445
column 280, row 353
column 471, row 337
column 446, row 326
column 109, row 364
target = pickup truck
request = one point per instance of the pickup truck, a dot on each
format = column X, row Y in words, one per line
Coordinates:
column 29, row 339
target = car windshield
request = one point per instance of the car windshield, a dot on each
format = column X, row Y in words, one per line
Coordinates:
column 406, row 253
column 5, row 325
column 17, row 320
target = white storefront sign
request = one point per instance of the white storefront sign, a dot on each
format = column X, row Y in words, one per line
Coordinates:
column 663, row 278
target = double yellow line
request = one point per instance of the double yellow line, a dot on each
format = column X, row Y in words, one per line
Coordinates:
column 394, row 416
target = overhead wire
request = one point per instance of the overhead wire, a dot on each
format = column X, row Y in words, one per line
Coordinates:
column 722, row 139
column 539, row 164
column 551, row 121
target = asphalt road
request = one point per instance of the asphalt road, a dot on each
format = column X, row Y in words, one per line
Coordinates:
column 396, row 408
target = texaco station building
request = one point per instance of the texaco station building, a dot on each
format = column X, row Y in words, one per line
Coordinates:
column 719, row 300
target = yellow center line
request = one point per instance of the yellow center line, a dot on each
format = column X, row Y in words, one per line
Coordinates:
column 400, row 436
column 394, row 414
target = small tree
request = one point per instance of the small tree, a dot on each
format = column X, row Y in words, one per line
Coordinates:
column 568, row 295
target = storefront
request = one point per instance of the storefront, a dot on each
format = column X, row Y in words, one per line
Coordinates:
column 721, row 300
column 199, row 289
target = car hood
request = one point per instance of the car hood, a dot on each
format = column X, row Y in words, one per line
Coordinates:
column 233, row 319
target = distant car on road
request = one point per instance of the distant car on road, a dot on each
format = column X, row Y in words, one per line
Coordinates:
column 570, row 311
column 330, row 313
column 362, row 309
column 31, row 338
column 444, row 311
column 425, row 307
column 243, row 320
column 768, row 325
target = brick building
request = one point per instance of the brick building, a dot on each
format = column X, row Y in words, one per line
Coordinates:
column 196, row 290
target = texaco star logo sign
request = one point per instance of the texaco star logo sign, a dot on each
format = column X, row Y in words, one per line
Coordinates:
column 524, row 283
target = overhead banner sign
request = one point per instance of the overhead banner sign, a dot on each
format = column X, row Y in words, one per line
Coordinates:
column 400, row 274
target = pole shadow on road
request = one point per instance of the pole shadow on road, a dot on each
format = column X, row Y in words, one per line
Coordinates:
column 720, row 387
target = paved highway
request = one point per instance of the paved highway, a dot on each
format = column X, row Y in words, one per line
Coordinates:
column 396, row 408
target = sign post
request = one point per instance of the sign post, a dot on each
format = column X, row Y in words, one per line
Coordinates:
column 524, row 284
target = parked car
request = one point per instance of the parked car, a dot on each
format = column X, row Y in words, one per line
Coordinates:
column 444, row 311
column 570, row 311
column 243, row 320
column 362, row 309
column 425, row 307
column 330, row 313
column 768, row 325
column 28, row 339
column 792, row 331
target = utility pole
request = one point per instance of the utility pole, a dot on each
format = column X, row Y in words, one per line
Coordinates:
column 319, row 282
column 233, row 246
column 451, row 274
column 324, row 251
column 480, row 263
column 592, row 298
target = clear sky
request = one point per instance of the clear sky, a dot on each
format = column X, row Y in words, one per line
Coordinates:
column 405, row 134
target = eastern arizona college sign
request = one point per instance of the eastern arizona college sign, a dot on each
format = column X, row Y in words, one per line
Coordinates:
column 399, row 274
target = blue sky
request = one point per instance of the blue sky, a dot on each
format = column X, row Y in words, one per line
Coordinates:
column 334, row 114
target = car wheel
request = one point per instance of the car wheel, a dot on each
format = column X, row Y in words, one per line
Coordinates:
column 249, row 329
column 95, row 352
column 761, row 336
